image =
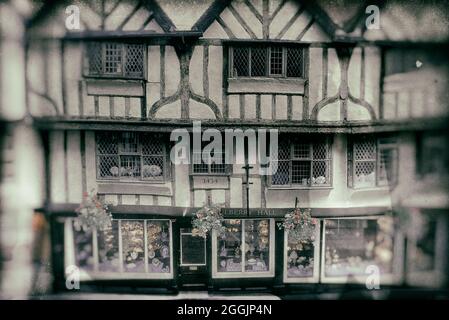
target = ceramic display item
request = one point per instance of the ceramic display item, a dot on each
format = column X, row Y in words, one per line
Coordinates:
column 155, row 262
column 151, row 254
column 165, row 252
column 223, row 251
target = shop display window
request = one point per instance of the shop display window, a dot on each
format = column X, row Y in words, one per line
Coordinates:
column 301, row 258
column 245, row 249
column 129, row 249
column 352, row 245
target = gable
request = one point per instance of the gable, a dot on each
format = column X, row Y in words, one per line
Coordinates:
column 266, row 19
column 104, row 15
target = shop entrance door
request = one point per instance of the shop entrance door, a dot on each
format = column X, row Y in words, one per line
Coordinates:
column 193, row 273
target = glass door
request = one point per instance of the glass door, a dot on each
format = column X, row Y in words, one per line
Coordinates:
column 192, row 260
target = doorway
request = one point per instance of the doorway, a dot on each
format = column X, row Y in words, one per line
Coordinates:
column 193, row 270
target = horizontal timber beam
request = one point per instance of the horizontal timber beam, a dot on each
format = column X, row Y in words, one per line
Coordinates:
column 66, row 123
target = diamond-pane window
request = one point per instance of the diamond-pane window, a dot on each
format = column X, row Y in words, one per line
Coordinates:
column 373, row 162
column 295, row 63
column 258, row 62
column 94, row 53
column 134, row 60
column 303, row 162
column 130, row 156
column 116, row 59
column 266, row 61
column 241, row 62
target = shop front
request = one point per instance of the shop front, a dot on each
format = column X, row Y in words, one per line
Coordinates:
column 152, row 252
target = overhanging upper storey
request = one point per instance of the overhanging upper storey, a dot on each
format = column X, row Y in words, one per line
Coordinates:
column 240, row 61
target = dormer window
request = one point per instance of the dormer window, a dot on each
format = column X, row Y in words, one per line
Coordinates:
column 113, row 59
column 266, row 61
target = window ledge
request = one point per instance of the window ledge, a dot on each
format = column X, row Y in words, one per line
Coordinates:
column 381, row 188
column 210, row 174
column 299, row 188
column 143, row 188
column 114, row 87
column 266, row 85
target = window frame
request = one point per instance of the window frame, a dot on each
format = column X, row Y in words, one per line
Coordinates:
column 124, row 59
column 316, row 259
column 245, row 274
column 394, row 277
column 96, row 274
column 268, row 52
column 379, row 145
column 227, row 167
column 164, row 155
column 328, row 141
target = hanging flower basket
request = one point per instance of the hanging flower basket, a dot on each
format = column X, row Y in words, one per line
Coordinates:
column 92, row 214
column 207, row 219
column 300, row 225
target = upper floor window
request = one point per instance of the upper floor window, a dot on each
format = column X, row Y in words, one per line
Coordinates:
column 303, row 162
column 372, row 162
column 263, row 61
column 216, row 165
column 112, row 59
column 131, row 156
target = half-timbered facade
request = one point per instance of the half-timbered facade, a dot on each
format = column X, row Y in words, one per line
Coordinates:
column 356, row 117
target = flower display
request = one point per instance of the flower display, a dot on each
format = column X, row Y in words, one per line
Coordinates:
column 92, row 214
column 207, row 219
column 300, row 225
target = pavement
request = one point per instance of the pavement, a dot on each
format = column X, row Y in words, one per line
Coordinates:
column 195, row 295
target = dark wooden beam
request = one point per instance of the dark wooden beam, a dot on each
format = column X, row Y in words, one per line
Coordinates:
column 122, row 211
column 306, row 126
column 210, row 15
column 120, row 34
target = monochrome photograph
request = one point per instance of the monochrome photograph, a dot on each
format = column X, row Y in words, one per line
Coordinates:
column 224, row 150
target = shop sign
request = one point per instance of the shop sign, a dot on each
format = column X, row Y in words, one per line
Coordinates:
column 256, row 212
